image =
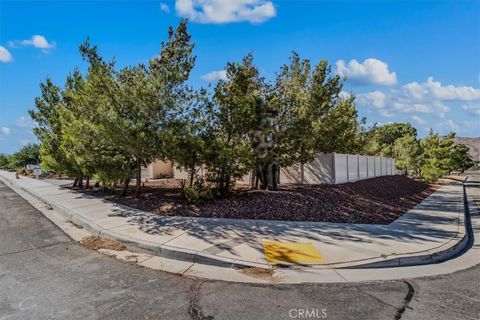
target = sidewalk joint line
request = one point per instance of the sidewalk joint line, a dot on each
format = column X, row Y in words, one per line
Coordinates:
column 173, row 238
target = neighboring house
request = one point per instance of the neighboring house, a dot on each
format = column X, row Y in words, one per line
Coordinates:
column 163, row 169
column 158, row 169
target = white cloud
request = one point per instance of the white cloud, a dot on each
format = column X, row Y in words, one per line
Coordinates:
column 428, row 107
column 427, row 104
column 371, row 71
column 472, row 109
column 414, row 91
column 5, row 56
column 344, row 95
column 435, row 90
column 452, row 125
column 38, row 41
column 164, row 7
column 386, row 113
column 418, row 120
column 374, row 98
column 22, row 122
column 225, row 11
column 24, row 142
column 389, row 103
column 25, row 122
column 5, row 130
column 214, row 76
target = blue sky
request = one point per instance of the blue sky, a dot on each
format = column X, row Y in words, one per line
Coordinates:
column 405, row 60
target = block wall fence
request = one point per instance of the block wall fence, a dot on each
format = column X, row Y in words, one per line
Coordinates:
column 336, row 168
column 330, row 168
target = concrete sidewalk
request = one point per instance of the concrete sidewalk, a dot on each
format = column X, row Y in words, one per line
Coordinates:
column 434, row 227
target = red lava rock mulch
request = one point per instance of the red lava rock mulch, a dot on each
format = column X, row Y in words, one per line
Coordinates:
column 376, row 201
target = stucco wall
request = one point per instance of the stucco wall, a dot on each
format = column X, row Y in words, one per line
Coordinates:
column 162, row 168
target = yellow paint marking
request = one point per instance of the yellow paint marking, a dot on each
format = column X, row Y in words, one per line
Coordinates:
column 278, row 252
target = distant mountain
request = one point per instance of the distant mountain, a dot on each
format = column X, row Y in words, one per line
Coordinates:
column 473, row 144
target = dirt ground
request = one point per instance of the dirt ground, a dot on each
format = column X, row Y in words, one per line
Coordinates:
column 95, row 243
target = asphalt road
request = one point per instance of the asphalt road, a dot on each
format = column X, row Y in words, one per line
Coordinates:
column 44, row 275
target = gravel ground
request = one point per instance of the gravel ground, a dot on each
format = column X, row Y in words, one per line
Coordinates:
column 375, row 201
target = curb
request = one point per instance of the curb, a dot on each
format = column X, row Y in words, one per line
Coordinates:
column 194, row 256
column 441, row 256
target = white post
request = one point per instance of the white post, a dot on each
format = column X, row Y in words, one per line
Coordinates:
column 358, row 167
column 381, row 166
column 334, row 168
column 348, row 173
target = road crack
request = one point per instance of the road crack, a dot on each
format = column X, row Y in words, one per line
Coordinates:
column 195, row 310
column 376, row 298
column 406, row 300
column 35, row 248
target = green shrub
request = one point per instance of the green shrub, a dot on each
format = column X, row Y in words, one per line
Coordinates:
column 191, row 194
column 431, row 171
column 199, row 192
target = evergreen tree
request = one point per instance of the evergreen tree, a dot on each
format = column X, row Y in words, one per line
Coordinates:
column 49, row 130
column 140, row 103
column 436, row 157
column 381, row 140
column 407, row 153
column 230, row 155
column 461, row 159
column 312, row 115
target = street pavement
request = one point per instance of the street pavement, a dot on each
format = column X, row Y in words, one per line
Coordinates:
column 432, row 227
column 45, row 275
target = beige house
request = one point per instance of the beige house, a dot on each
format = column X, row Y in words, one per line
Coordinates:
column 164, row 169
column 158, row 169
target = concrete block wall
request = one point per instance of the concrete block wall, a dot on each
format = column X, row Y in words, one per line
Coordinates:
column 318, row 171
column 337, row 168
column 330, row 168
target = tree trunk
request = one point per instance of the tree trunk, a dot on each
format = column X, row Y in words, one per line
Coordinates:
column 87, row 183
column 97, row 184
column 278, row 174
column 263, row 179
column 251, row 182
column 227, row 182
column 126, row 182
column 192, row 175
column 139, row 179
column 80, row 182
column 274, row 177
column 75, row 182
